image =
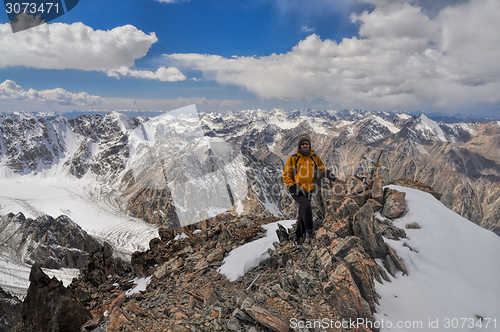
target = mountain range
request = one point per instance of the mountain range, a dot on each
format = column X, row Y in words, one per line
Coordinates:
column 146, row 163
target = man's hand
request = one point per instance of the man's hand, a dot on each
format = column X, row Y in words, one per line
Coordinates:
column 293, row 189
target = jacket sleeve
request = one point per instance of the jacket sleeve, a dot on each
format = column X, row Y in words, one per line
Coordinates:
column 288, row 173
column 321, row 165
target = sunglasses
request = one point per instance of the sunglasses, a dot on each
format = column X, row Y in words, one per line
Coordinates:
column 305, row 143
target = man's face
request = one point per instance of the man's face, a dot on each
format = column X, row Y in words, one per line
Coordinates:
column 304, row 146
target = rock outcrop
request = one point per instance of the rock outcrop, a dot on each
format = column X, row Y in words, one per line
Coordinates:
column 51, row 307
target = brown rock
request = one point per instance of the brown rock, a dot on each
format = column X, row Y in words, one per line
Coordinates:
column 362, row 197
column 216, row 255
column 413, row 225
column 341, row 248
column 117, row 303
column 99, row 265
column 326, row 260
column 343, row 294
column 133, row 307
column 364, row 227
column 394, row 203
column 377, row 190
column 269, row 319
column 361, row 268
column 342, row 228
column 324, row 237
column 348, row 208
column 397, row 261
column 116, row 320
column 210, row 297
column 390, row 266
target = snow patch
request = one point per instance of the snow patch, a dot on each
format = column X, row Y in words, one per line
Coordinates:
column 453, row 270
column 386, row 124
column 141, row 283
column 244, row 258
column 180, row 236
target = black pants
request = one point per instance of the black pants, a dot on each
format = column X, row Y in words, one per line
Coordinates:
column 305, row 222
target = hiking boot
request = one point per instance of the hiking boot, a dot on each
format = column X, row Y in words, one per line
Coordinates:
column 296, row 245
column 308, row 237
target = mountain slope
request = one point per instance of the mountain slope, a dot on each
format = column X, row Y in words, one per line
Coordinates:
column 453, row 267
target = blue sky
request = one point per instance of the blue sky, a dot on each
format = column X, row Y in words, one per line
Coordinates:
column 407, row 55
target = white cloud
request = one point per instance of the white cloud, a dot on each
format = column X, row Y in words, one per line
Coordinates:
column 305, row 28
column 75, row 46
column 9, row 90
column 170, row 74
column 14, row 98
column 403, row 59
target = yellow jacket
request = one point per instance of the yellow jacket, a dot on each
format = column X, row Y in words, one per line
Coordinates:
column 299, row 169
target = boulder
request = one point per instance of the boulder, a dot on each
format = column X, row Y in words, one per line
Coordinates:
column 341, row 248
column 343, row 294
column 377, row 190
column 348, row 208
column 361, row 268
column 397, row 261
column 362, row 197
column 268, row 318
column 282, row 234
column 394, row 203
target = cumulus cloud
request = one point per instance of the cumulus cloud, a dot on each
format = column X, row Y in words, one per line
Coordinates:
column 403, row 59
column 170, row 74
column 9, row 90
column 75, row 46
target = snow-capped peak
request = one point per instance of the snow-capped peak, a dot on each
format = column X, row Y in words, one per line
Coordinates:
column 386, row 124
column 430, row 128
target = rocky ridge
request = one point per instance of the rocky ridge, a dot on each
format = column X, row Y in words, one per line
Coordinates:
column 332, row 277
column 53, row 243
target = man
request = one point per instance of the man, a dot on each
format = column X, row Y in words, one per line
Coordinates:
column 299, row 175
